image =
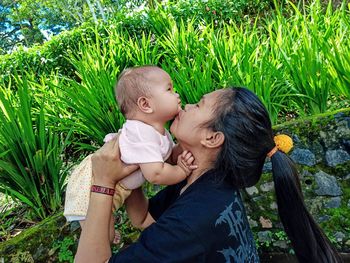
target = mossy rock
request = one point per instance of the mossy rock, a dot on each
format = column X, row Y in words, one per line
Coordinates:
column 335, row 127
column 44, row 242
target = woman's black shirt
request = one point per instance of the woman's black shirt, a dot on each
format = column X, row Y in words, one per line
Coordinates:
column 206, row 223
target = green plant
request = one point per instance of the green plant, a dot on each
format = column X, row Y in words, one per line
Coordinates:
column 92, row 99
column 65, row 249
column 22, row 256
column 31, row 163
column 6, row 220
column 47, row 58
column 218, row 12
column 296, row 59
column 281, row 235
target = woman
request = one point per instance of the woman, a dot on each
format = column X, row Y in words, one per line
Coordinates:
column 202, row 219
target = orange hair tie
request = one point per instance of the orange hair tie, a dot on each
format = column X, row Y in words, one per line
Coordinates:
column 283, row 143
column 272, row 152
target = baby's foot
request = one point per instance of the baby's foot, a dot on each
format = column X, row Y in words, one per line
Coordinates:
column 117, row 237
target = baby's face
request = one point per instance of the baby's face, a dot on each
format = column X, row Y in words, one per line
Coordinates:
column 164, row 101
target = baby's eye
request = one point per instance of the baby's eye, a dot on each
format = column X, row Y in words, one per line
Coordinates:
column 197, row 105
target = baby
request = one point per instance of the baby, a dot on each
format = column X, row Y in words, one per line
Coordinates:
column 146, row 98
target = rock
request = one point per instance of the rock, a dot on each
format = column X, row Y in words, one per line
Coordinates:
column 317, row 149
column 265, row 222
column 331, row 135
column 323, row 218
column 266, row 187
column 281, row 244
column 264, row 236
column 327, row 184
column 346, row 144
column 328, row 138
column 305, row 173
column 252, row 222
column 347, row 177
column 343, row 129
column 315, row 204
column 258, row 199
column 339, row 115
column 339, row 236
column 303, row 156
column 273, row 205
column 74, row 226
column 295, row 139
column 335, row 157
column 252, row 190
column 267, row 167
column 334, row 202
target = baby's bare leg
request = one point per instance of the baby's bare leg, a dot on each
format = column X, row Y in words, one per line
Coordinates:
column 111, row 229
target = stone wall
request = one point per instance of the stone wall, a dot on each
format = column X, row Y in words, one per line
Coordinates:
column 322, row 154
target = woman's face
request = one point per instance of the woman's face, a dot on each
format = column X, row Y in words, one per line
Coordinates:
column 188, row 125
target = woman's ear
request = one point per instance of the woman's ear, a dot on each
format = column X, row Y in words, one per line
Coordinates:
column 144, row 105
column 213, row 139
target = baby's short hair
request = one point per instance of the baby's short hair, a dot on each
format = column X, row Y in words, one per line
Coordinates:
column 133, row 83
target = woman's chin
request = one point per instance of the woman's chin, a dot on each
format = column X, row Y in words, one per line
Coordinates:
column 173, row 126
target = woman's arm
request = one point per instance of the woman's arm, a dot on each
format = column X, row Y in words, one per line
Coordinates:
column 137, row 209
column 107, row 169
column 94, row 243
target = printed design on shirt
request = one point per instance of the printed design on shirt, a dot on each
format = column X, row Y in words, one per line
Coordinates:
column 239, row 229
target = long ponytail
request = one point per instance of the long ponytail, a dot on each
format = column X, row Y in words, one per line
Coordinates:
column 309, row 242
column 245, row 122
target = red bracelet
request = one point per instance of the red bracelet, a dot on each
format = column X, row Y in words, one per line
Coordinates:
column 102, row 190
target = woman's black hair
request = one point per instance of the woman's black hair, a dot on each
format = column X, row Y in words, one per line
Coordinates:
column 245, row 122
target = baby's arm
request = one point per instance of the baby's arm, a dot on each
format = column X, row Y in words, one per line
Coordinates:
column 167, row 174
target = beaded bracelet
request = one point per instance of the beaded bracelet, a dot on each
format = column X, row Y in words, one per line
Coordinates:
column 102, row 190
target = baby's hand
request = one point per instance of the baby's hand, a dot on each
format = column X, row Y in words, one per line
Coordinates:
column 185, row 161
column 109, row 137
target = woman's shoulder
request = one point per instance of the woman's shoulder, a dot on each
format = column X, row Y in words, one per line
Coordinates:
column 204, row 201
column 209, row 201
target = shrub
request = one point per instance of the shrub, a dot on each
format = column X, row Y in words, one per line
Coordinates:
column 31, row 165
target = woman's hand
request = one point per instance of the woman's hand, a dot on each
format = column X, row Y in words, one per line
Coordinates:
column 107, row 168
